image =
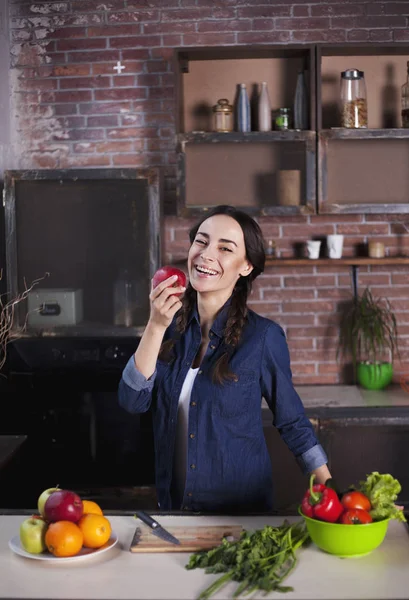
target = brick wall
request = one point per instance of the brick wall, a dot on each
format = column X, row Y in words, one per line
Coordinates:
column 71, row 109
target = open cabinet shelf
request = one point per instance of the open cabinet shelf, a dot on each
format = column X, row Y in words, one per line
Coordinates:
column 214, row 168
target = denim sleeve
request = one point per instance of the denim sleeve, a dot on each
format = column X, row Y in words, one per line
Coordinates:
column 135, row 391
column 288, row 411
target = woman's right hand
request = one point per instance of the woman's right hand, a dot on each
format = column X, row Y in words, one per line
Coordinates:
column 164, row 303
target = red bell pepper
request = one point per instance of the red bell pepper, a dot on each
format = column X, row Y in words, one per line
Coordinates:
column 321, row 502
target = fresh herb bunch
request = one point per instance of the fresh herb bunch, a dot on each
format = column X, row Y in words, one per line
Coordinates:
column 258, row 560
column 367, row 329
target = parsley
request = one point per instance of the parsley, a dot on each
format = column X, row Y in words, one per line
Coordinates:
column 258, row 560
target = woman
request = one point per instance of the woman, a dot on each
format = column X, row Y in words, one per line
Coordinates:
column 203, row 365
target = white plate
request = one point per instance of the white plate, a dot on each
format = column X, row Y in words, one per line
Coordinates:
column 15, row 546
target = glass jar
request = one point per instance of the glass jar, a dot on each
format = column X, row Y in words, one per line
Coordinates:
column 405, row 100
column 354, row 111
column 282, row 120
column 223, row 116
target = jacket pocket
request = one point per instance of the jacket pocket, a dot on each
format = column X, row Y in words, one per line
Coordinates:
column 234, row 398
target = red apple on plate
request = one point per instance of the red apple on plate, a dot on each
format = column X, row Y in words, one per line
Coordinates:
column 63, row 505
column 166, row 272
column 32, row 534
column 43, row 497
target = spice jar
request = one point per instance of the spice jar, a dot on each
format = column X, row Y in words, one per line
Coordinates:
column 282, row 120
column 354, row 112
column 223, row 116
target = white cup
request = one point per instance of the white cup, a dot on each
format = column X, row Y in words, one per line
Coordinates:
column 313, row 249
column 334, row 245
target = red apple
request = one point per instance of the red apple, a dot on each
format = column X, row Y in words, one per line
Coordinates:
column 63, row 505
column 166, row 272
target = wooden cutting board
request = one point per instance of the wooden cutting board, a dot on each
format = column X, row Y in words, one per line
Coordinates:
column 192, row 539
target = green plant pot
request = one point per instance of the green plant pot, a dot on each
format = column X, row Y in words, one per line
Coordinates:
column 375, row 376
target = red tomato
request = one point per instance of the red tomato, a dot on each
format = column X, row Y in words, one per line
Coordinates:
column 166, row 272
column 355, row 516
column 355, row 500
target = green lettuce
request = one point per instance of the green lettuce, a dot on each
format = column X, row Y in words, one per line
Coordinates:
column 382, row 491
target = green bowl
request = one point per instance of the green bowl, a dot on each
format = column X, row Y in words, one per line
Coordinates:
column 346, row 540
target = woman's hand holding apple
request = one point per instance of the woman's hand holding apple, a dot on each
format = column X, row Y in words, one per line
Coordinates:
column 165, row 296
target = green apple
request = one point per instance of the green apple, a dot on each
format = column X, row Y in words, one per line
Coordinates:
column 32, row 534
column 42, row 499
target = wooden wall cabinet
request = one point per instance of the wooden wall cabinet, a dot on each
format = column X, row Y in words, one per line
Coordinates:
column 342, row 170
column 234, row 167
column 363, row 170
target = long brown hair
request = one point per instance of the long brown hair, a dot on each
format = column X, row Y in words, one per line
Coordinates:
column 237, row 312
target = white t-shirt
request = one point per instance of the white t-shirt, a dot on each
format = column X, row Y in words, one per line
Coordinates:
column 182, row 433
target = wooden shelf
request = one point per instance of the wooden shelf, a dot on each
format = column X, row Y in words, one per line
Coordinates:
column 348, row 262
column 343, row 133
column 287, row 135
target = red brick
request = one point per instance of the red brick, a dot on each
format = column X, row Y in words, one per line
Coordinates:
column 65, row 109
column 120, row 94
column 301, row 11
column 101, row 108
column 186, row 14
column 70, row 70
column 128, row 16
column 91, row 57
column 132, row 119
column 314, row 281
column 99, row 160
column 83, row 96
column 306, row 24
column 224, row 25
column 124, row 133
column 128, row 160
column 79, row 6
column 171, row 40
column 169, row 27
column 88, row 44
column 124, row 81
column 103, row 121
column 134, row 42
column 67, row 32
column 340, row 9
column 358, row 35
column 373, row 229
column 70, row 83
column 135, row 66
column 263, row 38
column 87, row 134
column 114, row 30
column 267, row 10
column 45, row 161
column 114, row 147
column 331, row 35
column 157, row 66
column 37, row 84
column 381, row 35
column 161, row 92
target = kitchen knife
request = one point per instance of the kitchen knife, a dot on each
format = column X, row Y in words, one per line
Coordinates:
column 156, row 528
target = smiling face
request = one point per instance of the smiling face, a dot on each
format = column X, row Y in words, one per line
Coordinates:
column 217, row 256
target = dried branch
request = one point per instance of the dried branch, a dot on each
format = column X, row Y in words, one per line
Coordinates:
column 7, row 313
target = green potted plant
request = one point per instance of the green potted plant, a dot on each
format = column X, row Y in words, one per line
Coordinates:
column 369, row 336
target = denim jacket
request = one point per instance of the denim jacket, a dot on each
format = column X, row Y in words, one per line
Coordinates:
column 228, row 465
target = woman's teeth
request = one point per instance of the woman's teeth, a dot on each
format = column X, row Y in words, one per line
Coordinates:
column 206, row 271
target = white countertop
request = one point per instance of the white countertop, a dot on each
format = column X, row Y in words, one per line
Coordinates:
column 123, row 575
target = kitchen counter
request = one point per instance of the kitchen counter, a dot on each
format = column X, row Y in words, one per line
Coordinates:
column 123, row 575
column 340, row 401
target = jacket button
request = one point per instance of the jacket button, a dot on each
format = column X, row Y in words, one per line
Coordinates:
column 190, row 494
column 193, row 466
column 200, row 372
column 192, row 435
column 212, row 347
column 193, row 404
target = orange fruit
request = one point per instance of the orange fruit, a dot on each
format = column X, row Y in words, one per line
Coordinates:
column 91, row 507
column 96, row 530
column 63, row 538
